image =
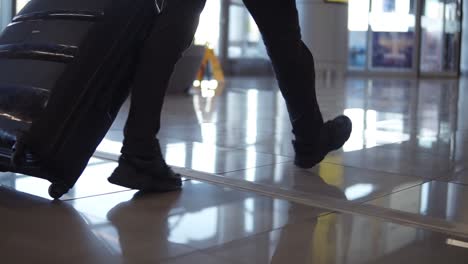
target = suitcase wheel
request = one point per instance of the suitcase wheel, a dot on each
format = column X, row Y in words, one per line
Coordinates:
column 57, row 190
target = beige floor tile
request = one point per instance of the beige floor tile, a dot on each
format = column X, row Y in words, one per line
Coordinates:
column 346, row 239
column 438, row 200
column 92, row 182
column 329, row 180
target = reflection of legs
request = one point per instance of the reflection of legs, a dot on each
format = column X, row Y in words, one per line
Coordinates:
column 294, row 67
column 142, row 165
column 295, row 241
column 143, row 228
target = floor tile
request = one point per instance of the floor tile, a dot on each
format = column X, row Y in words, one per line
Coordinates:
column 405, row 132
column 202, row 157
column 198, row 217
column 329, row 180
column 112, row 142
column 93, row 181
column 439, row 200
column 279, row 144
column 209, row 133
column 460, row 177
column 350, row 239
column 212, row 159
column 34, row 230
column 421, row 165
column 198, row 257
column 131, row 227
column 437, row 147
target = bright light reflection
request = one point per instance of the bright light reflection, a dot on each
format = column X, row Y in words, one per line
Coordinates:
column 33, row 186
column 249, row 215
column 109, row 146
column 424, row 198
column 356, row 140
column 252, row 115
column 426, row 142
column 206, row 93
column 358, row 191
column 208, row 132
column 209, row 84
column 197, row 226
column 204, row 158
column 204, row 108
column 400, row 17
column 371, row 129
column 368, row 132
column 176, row 154
column 20, row 4
column 251, row 164
column 457, row 243
column 358, row 15
column 434, row 10
column 208, row 27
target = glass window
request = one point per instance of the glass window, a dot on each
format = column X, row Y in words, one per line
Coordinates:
column 440, row 33
column 357, row 56
column 383, row 33
column 244, row 40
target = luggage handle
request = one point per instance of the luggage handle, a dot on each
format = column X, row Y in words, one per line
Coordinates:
column 59, row 14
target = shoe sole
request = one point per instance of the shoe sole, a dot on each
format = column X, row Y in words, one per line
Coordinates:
column 119, row 177
column 307, row 163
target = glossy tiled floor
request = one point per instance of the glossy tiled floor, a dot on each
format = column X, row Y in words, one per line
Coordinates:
column 396, row 192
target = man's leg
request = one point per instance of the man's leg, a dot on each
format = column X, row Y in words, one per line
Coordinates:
column 294, row 68
column 142, row 165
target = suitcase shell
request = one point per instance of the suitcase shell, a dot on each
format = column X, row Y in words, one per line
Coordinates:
column 66, row 67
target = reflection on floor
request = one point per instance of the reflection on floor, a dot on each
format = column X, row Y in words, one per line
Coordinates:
column 408, row 154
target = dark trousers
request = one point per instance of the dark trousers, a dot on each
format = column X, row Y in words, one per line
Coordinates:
column 173, row 33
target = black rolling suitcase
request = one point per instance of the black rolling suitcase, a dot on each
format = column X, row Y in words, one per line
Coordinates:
column 65, row 70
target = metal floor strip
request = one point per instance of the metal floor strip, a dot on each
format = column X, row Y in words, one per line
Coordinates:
column 323, row 202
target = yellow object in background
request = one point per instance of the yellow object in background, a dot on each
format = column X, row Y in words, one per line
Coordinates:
column 210, row 67
column 210, row 76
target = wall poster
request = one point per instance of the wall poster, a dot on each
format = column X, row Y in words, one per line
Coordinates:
column 392, row 49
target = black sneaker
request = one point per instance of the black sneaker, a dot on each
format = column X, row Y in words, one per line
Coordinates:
column 145, row 175
column 333, row 135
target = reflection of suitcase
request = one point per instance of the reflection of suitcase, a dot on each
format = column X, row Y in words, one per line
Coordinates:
column 65, row 69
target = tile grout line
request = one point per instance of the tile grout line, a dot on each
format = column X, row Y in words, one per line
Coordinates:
column 216, row 247
column 333, row 204
column 92, row 196
column 395, row 192
column 115, row 157
column 423, row 180
column 256, row 167
column 327, row 203
column 383, row 171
